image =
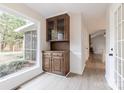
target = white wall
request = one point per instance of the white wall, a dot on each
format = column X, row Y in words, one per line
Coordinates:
column 78, row 43
column 75, row 43
column 100, row 23
column 98, row 44
column 16, row 79
column 85, row 40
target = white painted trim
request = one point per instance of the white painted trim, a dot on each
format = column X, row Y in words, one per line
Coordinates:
column 17, row 79
column 27, row 27
column 81, row 72
column 83, row 68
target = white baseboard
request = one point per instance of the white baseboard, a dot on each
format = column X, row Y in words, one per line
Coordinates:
column 83, row 68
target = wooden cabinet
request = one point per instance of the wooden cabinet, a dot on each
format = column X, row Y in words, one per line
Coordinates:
column 57, row 65
column 57, row 32
column 46, row 61
column 58, row 28
column 56, row 62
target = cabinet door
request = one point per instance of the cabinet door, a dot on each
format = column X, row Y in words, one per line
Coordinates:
column 51, row 29
column 58, row 28
column 57, row 65
column 47, row 63
column 63, row 27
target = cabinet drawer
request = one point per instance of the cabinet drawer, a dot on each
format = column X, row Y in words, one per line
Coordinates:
column 57, row 54
column 46, row 54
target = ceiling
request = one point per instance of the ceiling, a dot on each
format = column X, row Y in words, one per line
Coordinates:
column 95, row 12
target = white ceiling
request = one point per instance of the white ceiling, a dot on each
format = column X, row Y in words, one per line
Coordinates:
column 95, row 12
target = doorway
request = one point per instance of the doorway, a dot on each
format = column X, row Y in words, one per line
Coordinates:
column 97, row 43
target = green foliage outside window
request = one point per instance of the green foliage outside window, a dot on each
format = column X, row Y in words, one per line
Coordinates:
column 8, row 37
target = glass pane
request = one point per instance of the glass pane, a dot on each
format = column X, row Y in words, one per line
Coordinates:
column 119, row 15
column 115, row 19
column 123, row 30
column 119, row 32
column 123, row 68
column 122, row 12
column 122, row 73
column 119, row 66
column 115, row 64
column 27, row 54
column 122, row 85
column 60, row 28
column 115, row 48
column 28, row 40
column 115, row 78
column 34, row 55
column 115, row 73
column 115, row 33
column 34, row 40
column 119, row 49
column 119, row 81
column 123, row 50
column 52, row 33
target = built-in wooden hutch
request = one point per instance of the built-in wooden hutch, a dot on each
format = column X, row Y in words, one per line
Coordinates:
column 56, row 60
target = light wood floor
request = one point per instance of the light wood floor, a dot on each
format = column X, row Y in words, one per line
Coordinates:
column 92, row 79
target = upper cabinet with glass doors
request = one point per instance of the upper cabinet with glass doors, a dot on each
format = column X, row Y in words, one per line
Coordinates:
column 58, row 28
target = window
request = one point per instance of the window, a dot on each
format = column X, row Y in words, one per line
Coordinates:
column 18, row 44
column 30, row 45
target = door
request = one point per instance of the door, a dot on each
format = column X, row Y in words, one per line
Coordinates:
column 57, row 65
column 119, row 47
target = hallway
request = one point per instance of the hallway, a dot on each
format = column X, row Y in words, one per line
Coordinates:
column 92, row 79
